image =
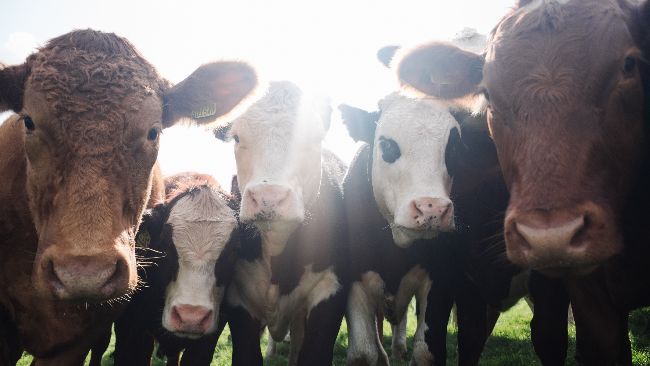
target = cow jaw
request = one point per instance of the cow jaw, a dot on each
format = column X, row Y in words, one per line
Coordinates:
column 202, row 225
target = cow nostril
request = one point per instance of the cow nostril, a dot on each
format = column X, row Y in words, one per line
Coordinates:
column 176, row 317
column 51, row 276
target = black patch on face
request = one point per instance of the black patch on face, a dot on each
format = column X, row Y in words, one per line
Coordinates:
column 454, row 152
column 390, row 151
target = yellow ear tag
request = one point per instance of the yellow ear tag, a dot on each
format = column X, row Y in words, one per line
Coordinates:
column 142, row 239
column 206, row 111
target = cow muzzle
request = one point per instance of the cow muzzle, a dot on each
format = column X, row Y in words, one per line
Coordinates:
column 270, row 202
column 574, row 239
column 91, row 278
column 191, row 321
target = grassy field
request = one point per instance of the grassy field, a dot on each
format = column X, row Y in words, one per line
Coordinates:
column 509, row 344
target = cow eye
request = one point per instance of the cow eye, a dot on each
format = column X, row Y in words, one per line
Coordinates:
column 29, row 123
column 454, row 152
column 629, row 65
column 389, row 149
column 236, row 138
column 152, row 135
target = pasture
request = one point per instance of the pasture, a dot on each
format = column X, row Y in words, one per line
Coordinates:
column 509, row 344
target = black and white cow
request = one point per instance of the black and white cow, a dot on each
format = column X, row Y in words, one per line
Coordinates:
column 291, row 191
column 187, row 256
column 423, row 199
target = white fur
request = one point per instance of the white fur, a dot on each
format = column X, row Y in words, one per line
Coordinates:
column 537, row 4
column 421, row 128
column 202, row 224
column 363, row 302
column 421, row 354
column 313, row 288
column 398, row 341
column 280, row 139
column 250, row 285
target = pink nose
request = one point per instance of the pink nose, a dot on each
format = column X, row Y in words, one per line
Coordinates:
column 191, row 319
column 85, row 277
column 436, row 213
column 264, row 201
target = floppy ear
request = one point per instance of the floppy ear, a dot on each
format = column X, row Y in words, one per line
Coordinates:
column 441, row 70
column 12, row 86
column 211, row 91
column 361, row 124
column 385, row 54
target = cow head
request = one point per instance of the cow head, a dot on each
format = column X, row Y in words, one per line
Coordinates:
column 414, row 143
column 563, row 86
column 278, row 153
column 93, row 110
column 196, row 228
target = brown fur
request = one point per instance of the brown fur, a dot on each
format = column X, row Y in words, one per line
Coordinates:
column 73, row 189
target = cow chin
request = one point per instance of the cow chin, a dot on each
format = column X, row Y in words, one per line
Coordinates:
column 404, row 237
column 276, row 234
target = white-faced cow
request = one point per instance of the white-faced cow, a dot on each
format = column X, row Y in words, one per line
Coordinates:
column 402, row 223
column 565, row 88
column 76, row 172
column 291, row 192
column 189, row 246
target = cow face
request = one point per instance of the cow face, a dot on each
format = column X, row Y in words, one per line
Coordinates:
column 416, row 146
column 197, row 236
column 278, row 155
column 567, row 118
column 93, row 110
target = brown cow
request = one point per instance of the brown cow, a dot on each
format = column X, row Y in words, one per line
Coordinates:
column 567, row 118
column 76, row 173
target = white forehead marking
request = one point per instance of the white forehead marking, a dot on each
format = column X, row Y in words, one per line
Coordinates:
column 283, row 108
column 413, row 118
column 469, row 39
column 202, row 224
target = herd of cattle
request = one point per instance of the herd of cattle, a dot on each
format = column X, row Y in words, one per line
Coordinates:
column 505, row 166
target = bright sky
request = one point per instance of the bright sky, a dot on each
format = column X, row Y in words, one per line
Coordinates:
column 324, row 46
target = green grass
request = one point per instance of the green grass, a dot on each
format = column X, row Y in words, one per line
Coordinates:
column 509, row 344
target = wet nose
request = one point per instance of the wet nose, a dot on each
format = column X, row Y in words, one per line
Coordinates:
column 191, row 319
column 432, row 212
column 86, row 277
column 552, row 238
column 268, row 200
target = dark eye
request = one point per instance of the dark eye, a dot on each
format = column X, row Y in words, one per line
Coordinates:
column 485, row 94
column 29, row 123
column 629, row 65
column 152, row 135
column 389, row 149
column 454, row 152
column 236, row 138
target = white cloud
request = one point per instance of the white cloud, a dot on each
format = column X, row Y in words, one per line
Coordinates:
column 20, row 45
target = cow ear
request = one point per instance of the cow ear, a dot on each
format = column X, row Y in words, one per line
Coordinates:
column 12, row 87
column 361, row 125
column 385, row 54
column 441, row 70
column 211, row 91
column 151, row 226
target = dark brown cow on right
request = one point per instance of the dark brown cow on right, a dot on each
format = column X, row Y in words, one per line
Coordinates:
column 565, row 84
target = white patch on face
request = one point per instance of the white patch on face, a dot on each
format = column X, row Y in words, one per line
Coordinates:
column 202, row 224
column 421, row 128
column 280, row 139
column 363, row 302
